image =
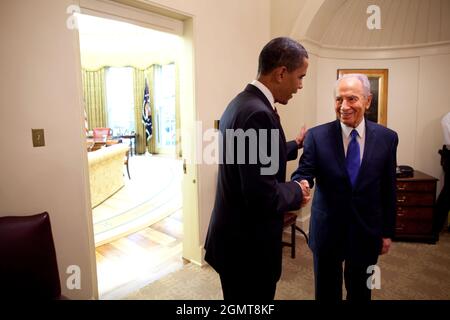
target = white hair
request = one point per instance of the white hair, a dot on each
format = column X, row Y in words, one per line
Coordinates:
column 361, row 77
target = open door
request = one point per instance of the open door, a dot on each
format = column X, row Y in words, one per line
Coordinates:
column 192, row 244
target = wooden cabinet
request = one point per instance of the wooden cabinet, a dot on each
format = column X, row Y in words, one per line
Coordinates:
column 416, row 197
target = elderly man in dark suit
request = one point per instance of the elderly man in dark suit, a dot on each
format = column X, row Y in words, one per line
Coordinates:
column 353, row 161
column 243, row 243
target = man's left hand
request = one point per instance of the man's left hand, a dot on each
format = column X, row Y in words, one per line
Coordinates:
column 386, row 245
column 301, row 136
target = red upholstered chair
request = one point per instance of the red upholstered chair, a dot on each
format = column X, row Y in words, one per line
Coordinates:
column 100, row 133
column 28, row 266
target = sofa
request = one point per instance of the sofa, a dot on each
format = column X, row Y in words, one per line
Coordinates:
column 106, row 172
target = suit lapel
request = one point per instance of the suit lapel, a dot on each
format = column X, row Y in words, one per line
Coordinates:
column 338, row 146
column 254, row 90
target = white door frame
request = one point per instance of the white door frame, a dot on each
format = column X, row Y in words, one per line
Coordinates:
column 123, row 10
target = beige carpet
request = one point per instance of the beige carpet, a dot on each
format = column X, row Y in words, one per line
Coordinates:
column 411, row 271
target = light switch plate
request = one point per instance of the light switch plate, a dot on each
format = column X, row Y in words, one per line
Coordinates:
column 38, row 137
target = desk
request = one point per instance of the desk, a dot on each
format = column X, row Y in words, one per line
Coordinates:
column 93, row 145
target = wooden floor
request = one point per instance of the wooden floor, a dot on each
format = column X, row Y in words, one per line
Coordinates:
column 129, row 263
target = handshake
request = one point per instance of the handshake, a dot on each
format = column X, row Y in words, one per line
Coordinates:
column 306, row 191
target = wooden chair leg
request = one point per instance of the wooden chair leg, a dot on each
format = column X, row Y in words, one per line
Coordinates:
column 303, row 232
column 128, row 171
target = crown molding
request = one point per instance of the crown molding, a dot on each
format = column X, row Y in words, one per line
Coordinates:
column 378, row 53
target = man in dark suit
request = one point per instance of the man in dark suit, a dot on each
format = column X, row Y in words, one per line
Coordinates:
column 353, row 211
column 443, row 200
column 243, row 243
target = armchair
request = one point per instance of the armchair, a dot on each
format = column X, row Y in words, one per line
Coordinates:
column 100, row 133
column 28, row 265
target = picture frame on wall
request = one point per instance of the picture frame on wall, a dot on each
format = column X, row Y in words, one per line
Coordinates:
column 378, row 79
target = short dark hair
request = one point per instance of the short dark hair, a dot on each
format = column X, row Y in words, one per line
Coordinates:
column 282, row 51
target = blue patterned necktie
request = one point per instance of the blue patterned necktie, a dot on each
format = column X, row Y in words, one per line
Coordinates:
column 352, row 160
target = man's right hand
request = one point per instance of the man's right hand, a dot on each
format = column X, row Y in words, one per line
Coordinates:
column 306, row 191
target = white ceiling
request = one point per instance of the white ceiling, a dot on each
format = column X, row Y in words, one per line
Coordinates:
column 342, row 23
column 105, row 42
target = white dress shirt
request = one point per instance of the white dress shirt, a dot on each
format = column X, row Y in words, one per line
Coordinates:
column 265, row 91
column 361, row 129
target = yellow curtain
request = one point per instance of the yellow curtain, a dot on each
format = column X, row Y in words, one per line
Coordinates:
column 94, row 97
column 139, row 85
column 150, row 75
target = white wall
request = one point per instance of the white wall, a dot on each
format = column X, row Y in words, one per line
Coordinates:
column 40, row 87
column 301, row 109
column 283, row 16
column 433, row 104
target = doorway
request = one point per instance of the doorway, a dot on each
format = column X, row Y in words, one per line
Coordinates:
column 165, row 124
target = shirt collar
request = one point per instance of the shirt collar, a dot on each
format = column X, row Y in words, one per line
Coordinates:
column 265, row 91
column 361, row 128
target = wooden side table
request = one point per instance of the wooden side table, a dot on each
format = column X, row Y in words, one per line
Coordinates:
column 416, row 198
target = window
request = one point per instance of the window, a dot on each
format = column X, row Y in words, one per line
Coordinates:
column 165, row 105
column 120, row 100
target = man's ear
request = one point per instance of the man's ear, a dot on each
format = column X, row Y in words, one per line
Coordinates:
column 279, row 73
column 369, row 100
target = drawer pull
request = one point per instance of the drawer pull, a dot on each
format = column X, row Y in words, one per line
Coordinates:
column 399, row 228
column 400, row 214
column 401, row 200
column 402, row 187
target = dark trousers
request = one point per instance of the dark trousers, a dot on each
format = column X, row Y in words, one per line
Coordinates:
column 329, row 273
column 443, row 200
column 237, row 287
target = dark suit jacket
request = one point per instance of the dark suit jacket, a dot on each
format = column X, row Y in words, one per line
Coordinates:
column 346, row 220
column 246, row 224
